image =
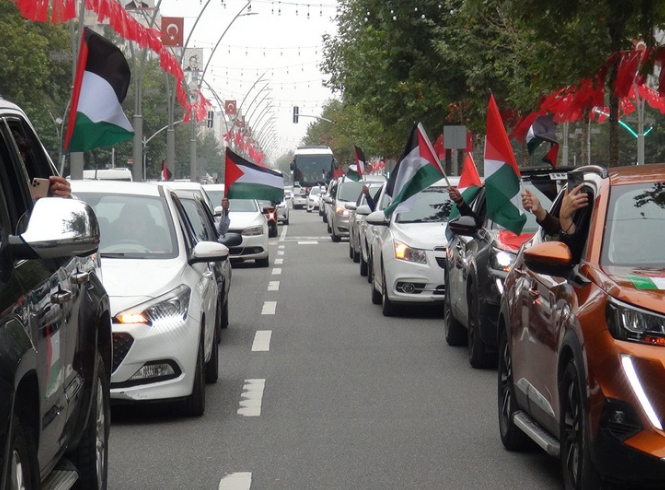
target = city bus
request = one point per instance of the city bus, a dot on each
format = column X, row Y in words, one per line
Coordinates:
column 312, row 166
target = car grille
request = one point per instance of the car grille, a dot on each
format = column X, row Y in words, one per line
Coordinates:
column 440, row 291
column 441, row 261
column 122, row 342
column 235, row 251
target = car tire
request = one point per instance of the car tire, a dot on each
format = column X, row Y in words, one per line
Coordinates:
column 576, row 463
column 370, row 270
column 478, row 356
column 212, row 366
column 272, row 230
column 325, row 220
column 224, row 318
column 512, row 437
column 350, row 249
column 356, row 255
column 24, row 463
column 363, row 266
column 376, row 295
column 195, row 404
column 334, row 237
column 388, row 308
column 91, row 456
column 286, row 221
column 454, row 331
column 265, row 262
column 309, row 210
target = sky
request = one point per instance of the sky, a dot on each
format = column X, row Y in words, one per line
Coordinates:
column 270, row 59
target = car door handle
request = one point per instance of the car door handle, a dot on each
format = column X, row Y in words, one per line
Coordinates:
column 79, row 277
column 62, row 296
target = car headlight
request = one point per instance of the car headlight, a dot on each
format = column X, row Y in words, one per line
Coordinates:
column 164, row 309
column 501, row 260
column 626, row 322
column 253, row 231
column 341, row 210
column 404, row 252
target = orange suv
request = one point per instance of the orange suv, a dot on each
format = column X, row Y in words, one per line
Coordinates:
column 582, row 339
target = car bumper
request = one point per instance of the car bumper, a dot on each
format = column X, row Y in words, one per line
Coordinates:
column 136, row 345
column 299, row 201
column 253, row 247
column 340, row 225
column 409, row 282
column 312, row 204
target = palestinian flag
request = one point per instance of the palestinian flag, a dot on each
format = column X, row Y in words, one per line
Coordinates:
column 502, row 176
column 418, row 168
column 469, row 183
column 102, row 79
column 166, row 173
column 245, row 180
column 357, row 171
column 543, row 130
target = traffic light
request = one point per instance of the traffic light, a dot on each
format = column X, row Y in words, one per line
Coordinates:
column 295, row 114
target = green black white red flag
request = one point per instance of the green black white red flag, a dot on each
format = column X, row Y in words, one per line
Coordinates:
column 246, row 180
column 469, row 184
column 417, row 169
column 542, row 130
column 102, row 79
column 357, row 171
column 502, row 176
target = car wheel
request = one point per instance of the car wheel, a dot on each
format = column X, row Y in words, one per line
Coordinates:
column 356, row 255
column 350, row 249
column 286, row 221
column 370, row 270
column 388, row 308
column 455, row 332
column 576, row 463
column 376, row 295
column 363, row 266
column 334, row 237
column 325, row 220
column 309, row 210
column 265, row 262
column 478, row 355
column 224, row 320
column 272, row 230
column 23, row 459
column 212, row 366
column 195, row 404
column 91, row 456
column 512, row 437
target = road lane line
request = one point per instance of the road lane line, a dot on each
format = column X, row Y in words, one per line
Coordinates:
column 253, row 394
column 262, row 341
column 236, row 481
column 279, row 261
column 308, row 242
column 280, row 252
column 276, row 271
column 280, row 246
column 273, row 286
column 269, row 307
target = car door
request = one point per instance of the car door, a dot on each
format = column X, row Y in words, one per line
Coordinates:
column 42, row 293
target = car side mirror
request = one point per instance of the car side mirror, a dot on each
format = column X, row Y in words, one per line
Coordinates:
column 351, row 206
column 463, row 225
column 230, row 239
column 378, row 218
column 549, row 258
column 363, row 210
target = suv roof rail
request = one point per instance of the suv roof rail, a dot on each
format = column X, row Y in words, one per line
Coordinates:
column 597, row 169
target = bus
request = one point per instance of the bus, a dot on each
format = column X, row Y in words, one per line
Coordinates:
column 312, row 166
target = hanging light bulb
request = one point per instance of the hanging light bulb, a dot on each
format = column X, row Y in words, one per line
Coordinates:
column 249, row 8
column 279, row 8
column 307, row 11
column 320, row 10
column 272, row 8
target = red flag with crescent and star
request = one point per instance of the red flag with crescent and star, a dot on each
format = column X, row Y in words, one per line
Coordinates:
column 172, row 31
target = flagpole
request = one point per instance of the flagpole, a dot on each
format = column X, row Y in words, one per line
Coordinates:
column 436, row 157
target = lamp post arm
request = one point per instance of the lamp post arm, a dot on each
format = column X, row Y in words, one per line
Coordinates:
column 249, row 118
column 250, row 89
column 147, row 140
column 254, row 99
column 315, row 117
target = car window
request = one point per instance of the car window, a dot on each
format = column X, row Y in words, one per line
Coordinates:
column 36, row 160
column 133, row 226
column 430, row 205
column 243, row 205
column 636, row 210
column 348, row 191
column 198, row 218
column 11, row 170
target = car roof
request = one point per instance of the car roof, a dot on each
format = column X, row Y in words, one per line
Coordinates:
column 634, row 174
column 116, row 187
column 214, row 187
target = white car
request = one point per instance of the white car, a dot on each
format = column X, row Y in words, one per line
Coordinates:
column 283, row 211
column 299, row 199
column 408, row 250
column 162, row 291
column 248, row 219
column 313, row 199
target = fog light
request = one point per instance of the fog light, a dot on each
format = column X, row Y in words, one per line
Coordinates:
column 153, row 371
column 408, row 288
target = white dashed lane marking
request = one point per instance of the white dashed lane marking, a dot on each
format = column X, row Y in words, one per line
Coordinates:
column 236, row 481
column 262, row 341
column 279, row 261
column 273, row 286
column 308, row 242
column 269, row 307
column 253, row 395
column 280, row 252
column 276, row 271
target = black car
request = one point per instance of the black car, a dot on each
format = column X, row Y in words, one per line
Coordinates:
column 55, row 326
column 477, row 261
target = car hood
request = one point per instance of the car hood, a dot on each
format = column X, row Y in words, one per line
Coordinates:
column 425, row 236
column 240, row 220
column 639, row 286
column 133, row 281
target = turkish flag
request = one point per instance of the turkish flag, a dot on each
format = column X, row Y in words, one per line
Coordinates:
column 172, row 31
column 230, row 107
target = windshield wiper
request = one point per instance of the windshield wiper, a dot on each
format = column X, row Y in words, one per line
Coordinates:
column 114, row 255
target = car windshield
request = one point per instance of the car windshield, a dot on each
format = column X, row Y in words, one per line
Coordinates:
column 428, row 206
column 635, row 227
column 243, row 205
column 348, row 190
column 215, row 196
column 133, row 226
column 315, row 191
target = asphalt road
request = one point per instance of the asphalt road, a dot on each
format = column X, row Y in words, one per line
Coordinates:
column 318, row 391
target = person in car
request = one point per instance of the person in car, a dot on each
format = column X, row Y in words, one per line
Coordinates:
column 58, row 186
column 463, row 208
column 563, row 227
column 368, row 198
column 224, row 220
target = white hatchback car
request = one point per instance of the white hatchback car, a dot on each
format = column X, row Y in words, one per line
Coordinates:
column 248, row 219
column 162, row 290
column 408, row 251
